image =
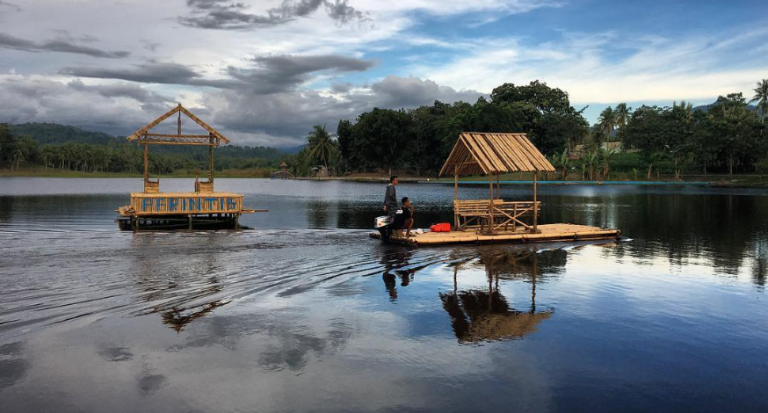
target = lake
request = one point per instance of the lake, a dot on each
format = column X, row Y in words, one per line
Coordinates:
column 303, row 312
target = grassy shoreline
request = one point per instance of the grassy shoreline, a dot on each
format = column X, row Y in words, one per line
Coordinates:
column 745, row 181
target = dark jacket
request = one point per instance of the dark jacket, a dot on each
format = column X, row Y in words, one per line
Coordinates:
column 390, row 197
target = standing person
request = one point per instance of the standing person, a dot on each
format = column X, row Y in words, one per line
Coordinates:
column 390, row 197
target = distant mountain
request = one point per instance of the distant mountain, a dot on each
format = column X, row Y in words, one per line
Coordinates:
column 56, row 134
column 706, row 108
column 292, row 150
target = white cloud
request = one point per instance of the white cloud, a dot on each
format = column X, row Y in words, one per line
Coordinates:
column 652, row 69
column 448, row 68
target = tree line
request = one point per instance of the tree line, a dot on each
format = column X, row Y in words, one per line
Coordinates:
column 725, row 137
column 122, row 157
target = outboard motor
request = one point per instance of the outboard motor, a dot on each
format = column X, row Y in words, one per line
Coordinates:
column 384, row 224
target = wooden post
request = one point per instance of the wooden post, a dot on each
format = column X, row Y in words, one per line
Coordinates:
column 237, row 221
column 210, row 159
column 179, row 123
column 490, row 206
column 189, row 217
column 146, row 165
column 498, row 187
column 535, row 204
column 455, row 196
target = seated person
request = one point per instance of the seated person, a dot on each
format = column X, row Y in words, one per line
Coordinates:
column 405, row 219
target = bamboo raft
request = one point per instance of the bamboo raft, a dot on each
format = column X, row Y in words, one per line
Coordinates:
column 546, row 233
column 495, row 220
column 203, row 208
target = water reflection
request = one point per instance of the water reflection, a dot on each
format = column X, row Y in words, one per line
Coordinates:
column 486, row 315
column 13, row 364
column 397, row 265
column 180, row 294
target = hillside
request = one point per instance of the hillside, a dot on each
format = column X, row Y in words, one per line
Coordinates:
column 57, row 134
column 54, row 133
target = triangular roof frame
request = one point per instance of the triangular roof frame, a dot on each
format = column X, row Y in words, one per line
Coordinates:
column 481, row 153
column 143, row 136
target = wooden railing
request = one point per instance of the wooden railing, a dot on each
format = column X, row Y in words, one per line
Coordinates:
column 475, row 214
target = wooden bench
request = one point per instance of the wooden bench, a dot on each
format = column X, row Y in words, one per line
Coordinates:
column 203, row 186
column 151, row 187
column 474, row 214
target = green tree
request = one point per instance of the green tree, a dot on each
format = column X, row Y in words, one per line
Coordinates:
column 382, row 137
column 7, row 145
column 321, row 145
column 18, row 157
column 734, row 126
column 544, row 113
column 681, row 142
column 622, row 112
column 761, row 97
column 648, row 131
column 607, row 122
column 344, row 138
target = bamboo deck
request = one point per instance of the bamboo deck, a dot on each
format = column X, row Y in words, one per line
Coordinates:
column 547, row 233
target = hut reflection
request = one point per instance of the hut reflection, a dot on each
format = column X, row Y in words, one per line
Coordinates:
column 486, row 315
column 179, row 296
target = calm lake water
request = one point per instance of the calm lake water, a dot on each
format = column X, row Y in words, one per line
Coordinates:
column 305, row 313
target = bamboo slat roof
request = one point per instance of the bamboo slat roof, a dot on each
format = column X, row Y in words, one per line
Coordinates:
column 143, row 135
column 479, row 153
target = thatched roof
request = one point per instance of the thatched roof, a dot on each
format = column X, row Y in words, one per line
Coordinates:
column 478, row 153
column 144, row 136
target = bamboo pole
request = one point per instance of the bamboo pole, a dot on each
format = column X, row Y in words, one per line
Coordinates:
column 146, row 164
column 498, row 186
column 535, row 205
column 490, row 205
column 210, row 159
column 455, row 196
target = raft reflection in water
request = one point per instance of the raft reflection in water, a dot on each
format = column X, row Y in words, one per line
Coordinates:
column 479, row 314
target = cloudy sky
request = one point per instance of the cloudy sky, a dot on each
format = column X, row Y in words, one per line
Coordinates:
column 264, row 71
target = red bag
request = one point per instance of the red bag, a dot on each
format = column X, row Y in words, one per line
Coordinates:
column 442, row 227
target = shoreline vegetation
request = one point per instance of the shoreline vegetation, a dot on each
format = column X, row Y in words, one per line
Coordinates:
column 725, row 142
column 715, row 180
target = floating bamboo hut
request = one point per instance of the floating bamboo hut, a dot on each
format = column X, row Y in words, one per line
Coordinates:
column 495, row 220
column 203, row 207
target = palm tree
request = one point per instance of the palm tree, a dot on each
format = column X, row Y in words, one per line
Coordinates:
column 761, row 97
column 46, row 156
column 623, row 113
column 607, row 121
column 18, row 157
column 321, row 145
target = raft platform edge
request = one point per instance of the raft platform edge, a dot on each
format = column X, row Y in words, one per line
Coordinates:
column 547, row 233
